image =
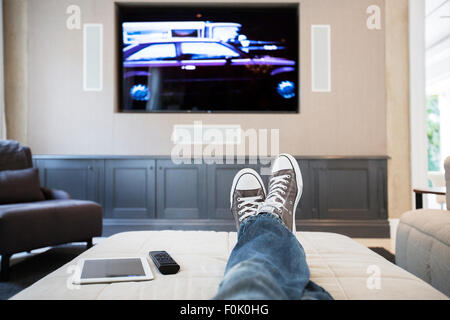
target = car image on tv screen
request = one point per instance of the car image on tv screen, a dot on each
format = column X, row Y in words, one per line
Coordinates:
column 213, row 59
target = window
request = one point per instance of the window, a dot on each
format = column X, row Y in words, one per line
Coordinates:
column 433, row 133
column 437, row 88
column 437, row 74
column 159, row 51
column 438, row 125
column 207, row 50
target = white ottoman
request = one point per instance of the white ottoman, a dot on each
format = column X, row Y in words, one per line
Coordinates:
column 337, row 263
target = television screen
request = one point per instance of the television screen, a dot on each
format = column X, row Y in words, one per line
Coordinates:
column 209, row 57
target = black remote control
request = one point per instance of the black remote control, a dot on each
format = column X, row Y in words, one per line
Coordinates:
column 164, row 262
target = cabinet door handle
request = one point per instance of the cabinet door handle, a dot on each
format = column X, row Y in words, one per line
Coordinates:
column 90, row 168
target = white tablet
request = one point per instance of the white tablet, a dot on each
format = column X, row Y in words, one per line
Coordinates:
column 102, row 270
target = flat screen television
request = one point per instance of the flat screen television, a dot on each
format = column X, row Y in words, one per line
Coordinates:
column 208, row 57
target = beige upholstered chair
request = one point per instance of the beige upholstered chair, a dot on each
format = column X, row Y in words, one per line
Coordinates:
column 423, row 242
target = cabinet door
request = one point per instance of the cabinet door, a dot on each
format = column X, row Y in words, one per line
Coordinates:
column 220, row 179
column 347, row 189
column 77, row 177
column 181, row 191
column 130, row 189
column 304, row 208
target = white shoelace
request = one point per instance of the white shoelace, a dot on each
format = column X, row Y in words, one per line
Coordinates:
column 275, row 200
column 249, row 206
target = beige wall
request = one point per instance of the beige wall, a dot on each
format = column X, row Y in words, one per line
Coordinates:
column 365, row 114
column 62, row 119
column 15, row 67
column 397, row 89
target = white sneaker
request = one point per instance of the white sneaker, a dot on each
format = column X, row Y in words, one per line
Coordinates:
column 285, row 190
column 247, row 193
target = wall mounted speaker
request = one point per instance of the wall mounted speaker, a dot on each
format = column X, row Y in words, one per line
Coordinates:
column 93, row 57
column 320, row 58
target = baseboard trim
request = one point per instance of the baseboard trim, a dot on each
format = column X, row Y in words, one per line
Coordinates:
column 351, row 228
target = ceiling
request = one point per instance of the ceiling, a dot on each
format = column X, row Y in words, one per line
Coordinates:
column 437, row 43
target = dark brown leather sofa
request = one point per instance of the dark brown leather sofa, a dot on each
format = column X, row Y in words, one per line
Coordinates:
column 56, row 219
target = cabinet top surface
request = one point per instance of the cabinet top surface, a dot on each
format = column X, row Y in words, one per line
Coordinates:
column 150, row 157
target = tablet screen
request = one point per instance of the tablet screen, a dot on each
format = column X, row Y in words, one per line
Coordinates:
column 112, row 268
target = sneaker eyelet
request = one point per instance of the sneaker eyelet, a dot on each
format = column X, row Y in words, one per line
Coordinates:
column 238, row 199
column 239, row 206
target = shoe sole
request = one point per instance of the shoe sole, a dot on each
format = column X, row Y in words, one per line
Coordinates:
column 299, row 180
column 238, row 176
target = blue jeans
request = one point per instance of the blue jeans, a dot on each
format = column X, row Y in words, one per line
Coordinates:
column 268, row 263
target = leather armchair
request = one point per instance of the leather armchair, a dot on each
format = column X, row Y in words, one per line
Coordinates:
column 55, row 220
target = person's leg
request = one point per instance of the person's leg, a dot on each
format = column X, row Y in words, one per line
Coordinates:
column 267, row 262
column 267, row 265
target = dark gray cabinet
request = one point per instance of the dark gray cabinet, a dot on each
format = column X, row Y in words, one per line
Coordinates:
column 79, row 177
column 130, row 189
column 141, row 193
column 348, row 190
column 220, row 179
column 181, row 191
column 304, row 208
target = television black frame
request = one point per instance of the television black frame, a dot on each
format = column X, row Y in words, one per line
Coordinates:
column 119, row 56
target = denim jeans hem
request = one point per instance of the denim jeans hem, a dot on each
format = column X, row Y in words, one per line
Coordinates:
column 252, row 219
column 267, row 262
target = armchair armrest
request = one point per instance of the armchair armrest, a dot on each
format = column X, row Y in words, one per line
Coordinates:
column 53, row 194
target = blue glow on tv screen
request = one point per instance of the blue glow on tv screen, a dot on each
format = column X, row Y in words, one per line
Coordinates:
column 209, row 57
